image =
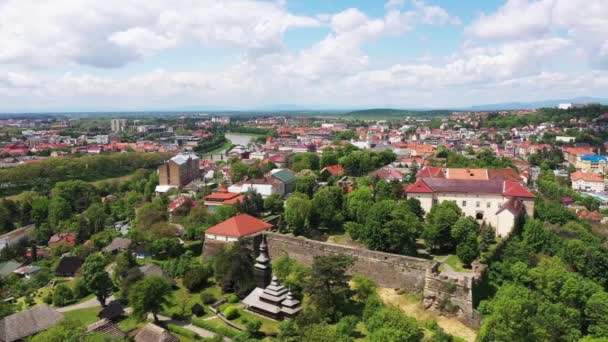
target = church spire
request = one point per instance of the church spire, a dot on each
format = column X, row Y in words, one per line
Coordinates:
column 263, row 267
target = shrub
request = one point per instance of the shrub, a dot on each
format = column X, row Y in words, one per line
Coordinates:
column 231, row 313
column 232, row 298
column 207, row 298
column 253, row 326
column 62, row 295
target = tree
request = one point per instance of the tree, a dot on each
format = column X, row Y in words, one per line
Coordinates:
column 391, row 227
column 596, row 311
column 196, row 277
column 358, row 203
column 439, row 222
column 233, row 269
column 59, row 209
column 40, row 210
column 328, row 283
column 252, row 204
column 536, row 236
column 223, row 213
column 96, row 279
column 328, row 158
column 508, row 316
column 149, row 295
column 467, row 248
column 305, row 161
column 95, row 217
column 298, row 209
column 306, row 183
column 389, row 324
column 363, row 287
column 327, row 207
column 68, row 330
column 415, row 207
column 274, row 204
column 62, row 295
column 78, row 193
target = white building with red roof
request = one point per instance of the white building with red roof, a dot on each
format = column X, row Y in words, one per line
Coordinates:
column 588, row 181
column 237, row 227
column 498, row 202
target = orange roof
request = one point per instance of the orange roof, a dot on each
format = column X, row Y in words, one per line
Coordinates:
column 221, row 196
column 335, row 170
column 478, row 174
column 516, row 190
column 586, row 176
column 239, row 226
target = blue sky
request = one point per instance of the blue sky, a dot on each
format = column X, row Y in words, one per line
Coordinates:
column 152, row 54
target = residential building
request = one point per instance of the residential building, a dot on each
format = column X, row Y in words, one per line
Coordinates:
column 68, row 266
column 277, row 181
column 153, row 333
column 107, row 328
column 67, row 238
column 497, row 202
column 222, row 197
column 117, row 245
column 179, row 170
column 587, row 181
column 236, row 227
column 592, row 163
column 21, row 325
column 118, row 125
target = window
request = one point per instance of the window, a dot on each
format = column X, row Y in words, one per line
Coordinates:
column 435, row 201
column 464, row 203
column 478, row 204
column 488, row 204
column 479, row 216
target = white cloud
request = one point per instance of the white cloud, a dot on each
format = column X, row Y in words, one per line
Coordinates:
column 111, row 33
column 583, row 21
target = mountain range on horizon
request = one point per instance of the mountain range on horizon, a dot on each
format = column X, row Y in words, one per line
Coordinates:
column 320, row 108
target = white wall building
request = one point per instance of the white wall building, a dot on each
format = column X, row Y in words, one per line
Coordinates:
column 497, row 202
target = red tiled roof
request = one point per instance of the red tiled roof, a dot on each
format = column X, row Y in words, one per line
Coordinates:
column 239, row 226
column 418, row 187
column 221, row 196
column 516, row 190
column 431, row 171
column 506, row 174
column 335, row 170
column 586, row 176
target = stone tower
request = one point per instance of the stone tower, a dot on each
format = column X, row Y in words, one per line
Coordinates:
column 263, row 268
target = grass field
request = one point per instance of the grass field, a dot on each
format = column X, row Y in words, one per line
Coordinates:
column 85, row 316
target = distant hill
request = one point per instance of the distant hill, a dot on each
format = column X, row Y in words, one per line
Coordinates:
column 533, row 105
column 395, row 113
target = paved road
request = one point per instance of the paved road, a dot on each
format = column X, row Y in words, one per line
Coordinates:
column 91, row 303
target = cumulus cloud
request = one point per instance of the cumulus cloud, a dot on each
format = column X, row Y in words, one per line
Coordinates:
column 506, row 53
column 111, row 33
column 583, row 21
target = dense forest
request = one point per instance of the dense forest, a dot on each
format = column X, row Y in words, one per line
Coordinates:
column 395, row 113
column 41, row 176
column 544, row 115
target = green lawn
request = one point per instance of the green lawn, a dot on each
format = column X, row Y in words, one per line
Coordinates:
column 85, row 316
column 181, row 292
column 455, row 263
column 269, row 326
column 220, row 148
column 130, row 323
